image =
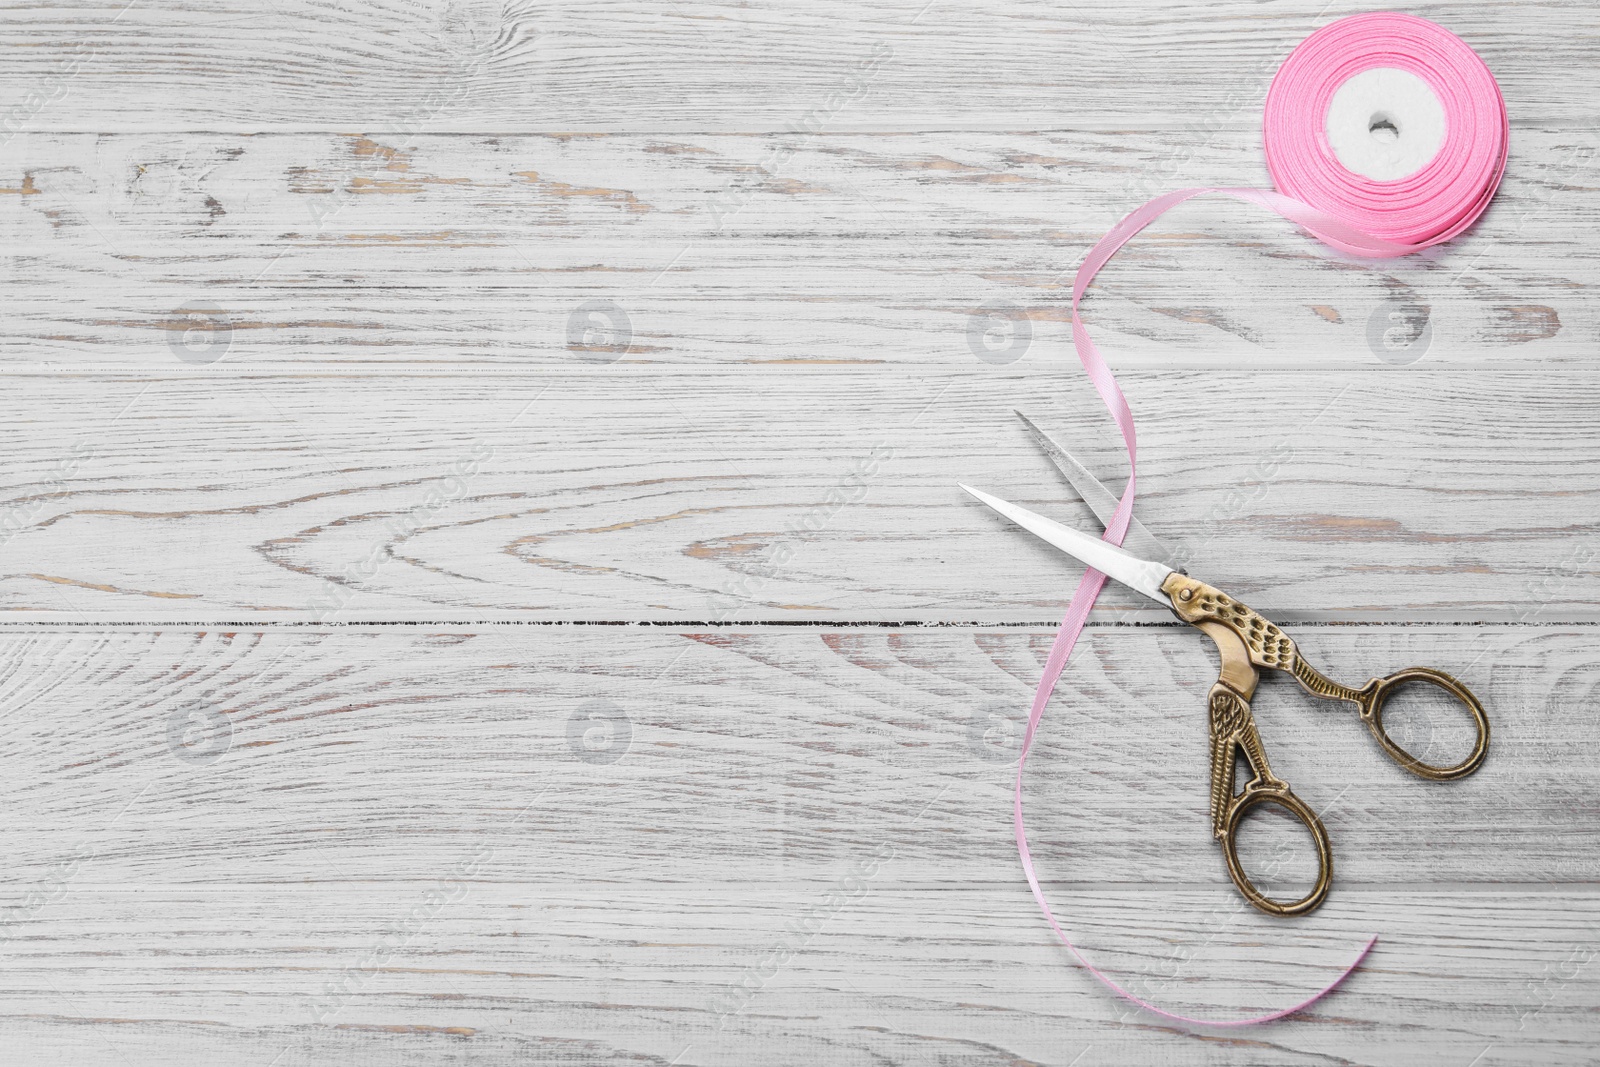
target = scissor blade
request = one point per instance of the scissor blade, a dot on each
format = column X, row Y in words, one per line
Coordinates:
column 1102, row 501
column 1140, row 575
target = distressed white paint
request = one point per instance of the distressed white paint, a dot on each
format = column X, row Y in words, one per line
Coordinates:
column 766, row 248
column 781, row 495
column 496, row 329
column 726, row 65
column 204, row 892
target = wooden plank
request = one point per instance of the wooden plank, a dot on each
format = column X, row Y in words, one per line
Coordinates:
column 952, row 249
column 764, row 757
column 637, row 973
column 793, row 495
column 398, row 846
column 718, row 65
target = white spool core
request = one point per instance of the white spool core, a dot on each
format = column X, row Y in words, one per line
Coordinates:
column 1385, row 123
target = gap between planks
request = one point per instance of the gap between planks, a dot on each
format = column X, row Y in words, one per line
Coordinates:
column 1063, row 370
column 1156, row 620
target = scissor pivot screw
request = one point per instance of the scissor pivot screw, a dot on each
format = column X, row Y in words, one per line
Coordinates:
column 1186, row 594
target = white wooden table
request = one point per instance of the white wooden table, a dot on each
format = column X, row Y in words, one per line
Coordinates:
column 483, row 581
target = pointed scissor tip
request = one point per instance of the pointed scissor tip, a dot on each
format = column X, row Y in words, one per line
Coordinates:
column 984, row 498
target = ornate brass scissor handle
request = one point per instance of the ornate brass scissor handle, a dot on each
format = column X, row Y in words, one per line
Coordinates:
column 1246, row 642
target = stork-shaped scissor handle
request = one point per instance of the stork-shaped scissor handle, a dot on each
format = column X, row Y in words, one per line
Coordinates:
column 1246, row 642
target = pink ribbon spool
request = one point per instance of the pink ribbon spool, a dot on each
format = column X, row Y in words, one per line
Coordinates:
column 1354, row 214
column 1438, row 201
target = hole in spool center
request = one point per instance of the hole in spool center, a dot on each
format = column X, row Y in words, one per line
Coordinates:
column 1385, row 124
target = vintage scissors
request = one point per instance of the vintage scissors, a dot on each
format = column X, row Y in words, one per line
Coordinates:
column 1246, row 642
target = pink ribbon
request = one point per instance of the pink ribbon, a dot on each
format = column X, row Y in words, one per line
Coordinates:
column 1353, row 214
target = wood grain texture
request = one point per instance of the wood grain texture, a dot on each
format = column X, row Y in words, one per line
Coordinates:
column 942, row 248
column 451, row 844
column 770, row 751
column 604, row 65
column 617, row 496
column 481, row 579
